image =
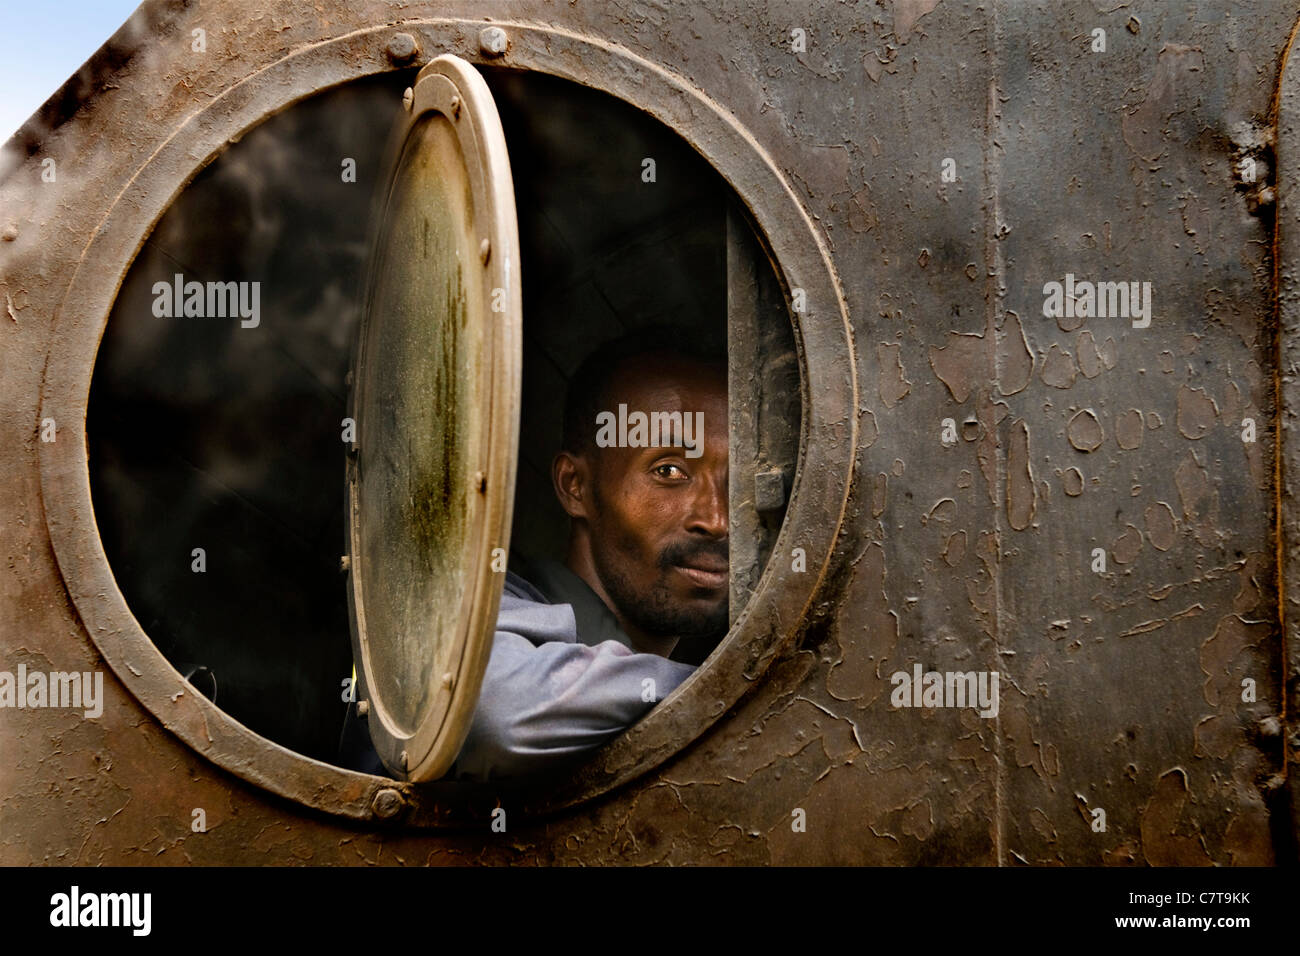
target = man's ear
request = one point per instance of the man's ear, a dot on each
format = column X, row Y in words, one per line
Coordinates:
column 571, row 476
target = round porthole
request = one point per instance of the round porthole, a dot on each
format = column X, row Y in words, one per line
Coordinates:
column 777, row 601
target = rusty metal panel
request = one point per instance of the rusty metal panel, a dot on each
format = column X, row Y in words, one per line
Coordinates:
column 1286, row 268
column 1146, row 439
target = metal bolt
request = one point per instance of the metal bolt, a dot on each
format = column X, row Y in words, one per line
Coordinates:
column 363, row 708
column 480, row 482
column 1267, row 196
column 10, row 233
column 1270, row 727
column 402, row 48
column 447, row 680
column 493, row 41
column 408, row 97
column 455, row 107
column 387, row 803
column 345, row 563
column 484, row 251
column 769, row 490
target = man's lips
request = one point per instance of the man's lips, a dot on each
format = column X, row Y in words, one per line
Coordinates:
column 705, row 574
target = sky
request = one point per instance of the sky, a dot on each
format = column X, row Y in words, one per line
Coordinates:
column 42, row 43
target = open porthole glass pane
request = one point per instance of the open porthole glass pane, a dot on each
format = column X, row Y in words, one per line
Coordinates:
column 435, row 402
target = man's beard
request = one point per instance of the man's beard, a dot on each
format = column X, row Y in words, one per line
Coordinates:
column 653, row 609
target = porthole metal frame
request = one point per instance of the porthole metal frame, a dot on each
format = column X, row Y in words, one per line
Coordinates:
column 780, row 603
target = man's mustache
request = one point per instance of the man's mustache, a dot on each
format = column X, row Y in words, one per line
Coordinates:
column 689, row 553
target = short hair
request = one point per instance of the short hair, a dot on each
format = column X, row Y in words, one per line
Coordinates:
column 589, row 387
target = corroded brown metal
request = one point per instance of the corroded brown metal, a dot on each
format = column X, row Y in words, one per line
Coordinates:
column 1121, row 690
column 1286, row 270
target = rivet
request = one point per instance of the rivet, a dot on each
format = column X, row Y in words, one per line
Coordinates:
column 10, row 233
column 769, row 490
column 480, row 482
column 408, row 97
column 387, row 803
column 363, row 708
column 402, row 48
column 455, row 107
column 447, row 680
column 402, row 760
column 345, row 563
column 493, row 41
column 484, row 251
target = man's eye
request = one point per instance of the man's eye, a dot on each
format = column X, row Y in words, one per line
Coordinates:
column 671, row 472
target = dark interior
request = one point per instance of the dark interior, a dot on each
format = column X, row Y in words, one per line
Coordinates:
column 205, row 434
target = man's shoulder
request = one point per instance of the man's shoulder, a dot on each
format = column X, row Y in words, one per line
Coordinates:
column 527, row 612
column 556, row 584
column 518, row 587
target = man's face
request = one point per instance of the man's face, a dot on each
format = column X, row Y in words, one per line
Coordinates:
column 658, row 517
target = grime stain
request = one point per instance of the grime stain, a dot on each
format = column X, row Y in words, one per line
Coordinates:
column 907, row 13
column 1143, row 128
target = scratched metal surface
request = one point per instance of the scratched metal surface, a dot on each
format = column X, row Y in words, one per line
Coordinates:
column 1121, row 691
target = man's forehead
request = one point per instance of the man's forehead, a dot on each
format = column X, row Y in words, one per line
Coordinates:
column 669, row 382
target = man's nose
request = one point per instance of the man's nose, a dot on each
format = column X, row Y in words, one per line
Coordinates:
column 708, row 513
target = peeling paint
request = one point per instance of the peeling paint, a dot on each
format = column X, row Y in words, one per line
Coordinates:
column 959, row 363
column 1196, row 412
column 1058, row 368
column 893, row 386
column 1084, row 431
column 1128, row 429
column 1021, row 495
